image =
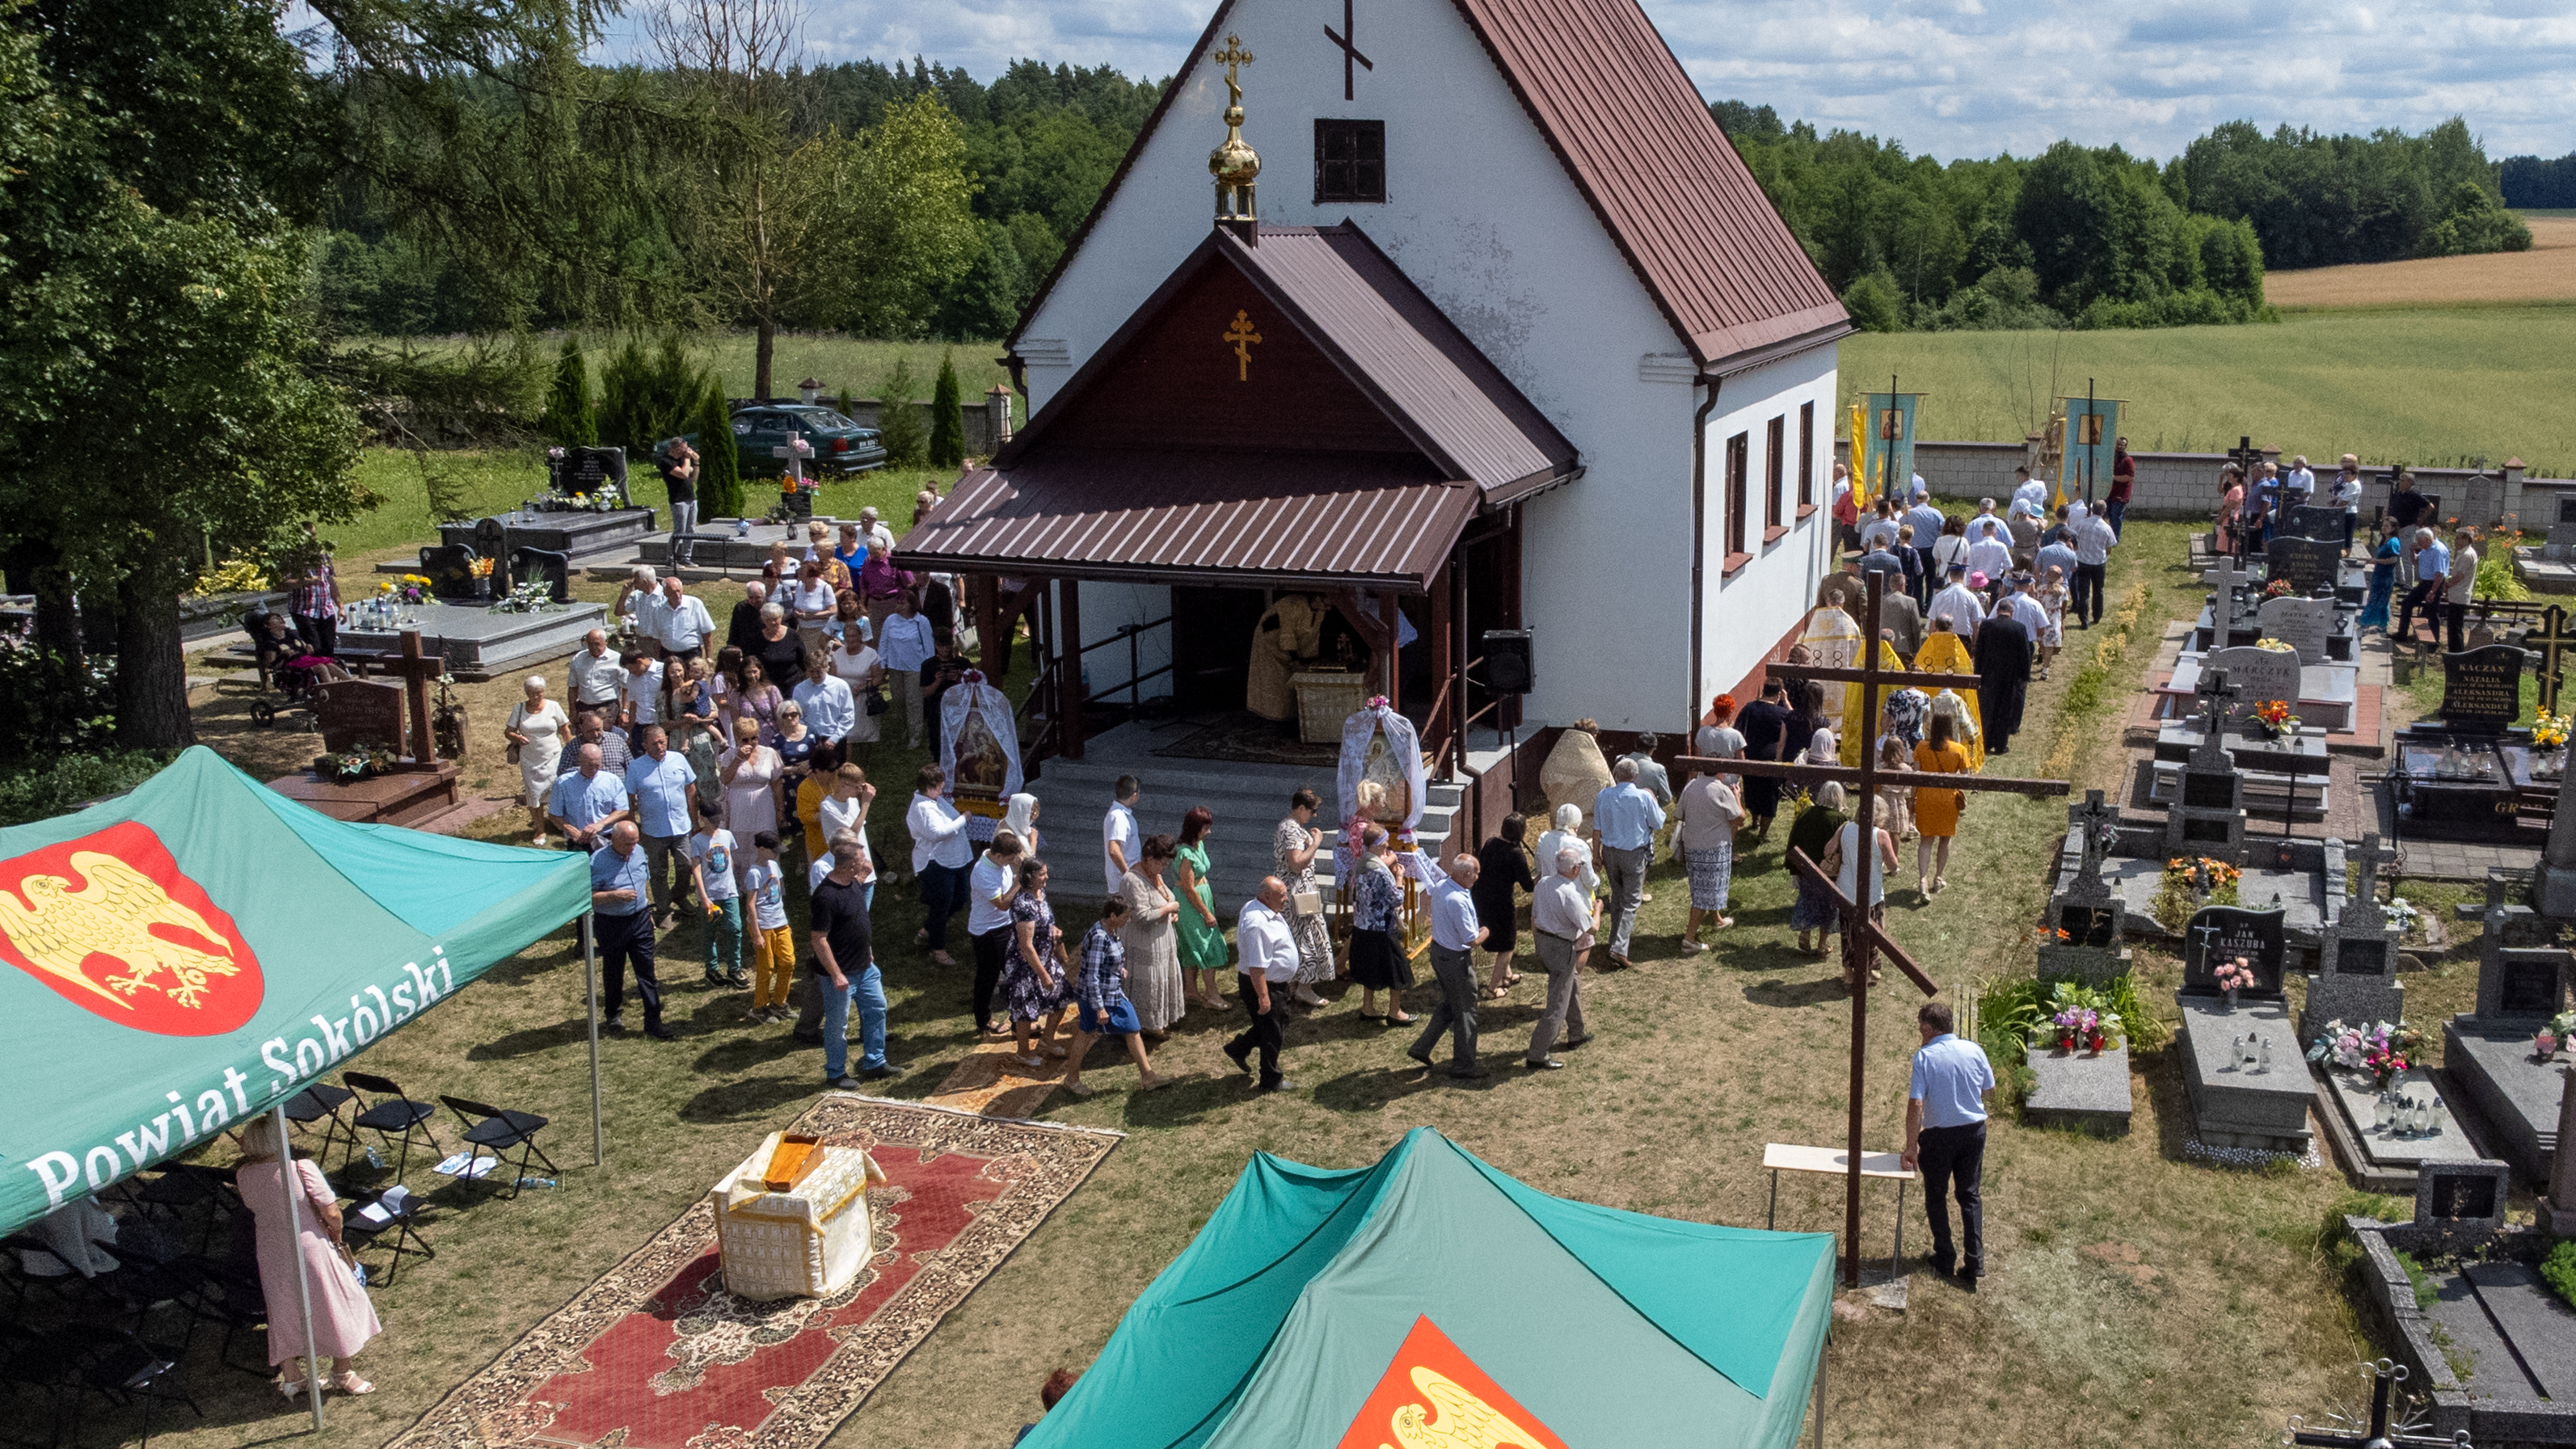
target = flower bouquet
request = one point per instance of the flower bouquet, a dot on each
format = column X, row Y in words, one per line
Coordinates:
column 2383, row 1050
column 2276, row 646
column 2559, row 1034
column 2275, row 717
column 2278, row 589
column 2401, row 915
column 406, row 589
column 2549, row 731
column 481, row 568
column 532, row 597
column 2232, row 977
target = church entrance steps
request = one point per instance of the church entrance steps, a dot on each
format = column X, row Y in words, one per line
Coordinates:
column 1248, row 800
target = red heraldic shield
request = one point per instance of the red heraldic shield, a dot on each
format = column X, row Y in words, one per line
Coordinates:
column 112, row 924
column 1433, row 1394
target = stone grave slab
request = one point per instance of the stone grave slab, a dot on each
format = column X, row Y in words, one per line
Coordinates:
column 354, row 712
column 2310, row 795
column 2493, row 1371
column 2309, row 564
column 476, row 643
column 2260, row 676
column 2355, row 1097
column 2303, row 624
column 2076, row 1089
column 2482, row 688
column 570, row 533
column 574, row 471
column 2541, row 1328
column 2234, row 1105
column 2557, row 1209
column 2517, row 1094
column 2328, row 693
column 2299, row 895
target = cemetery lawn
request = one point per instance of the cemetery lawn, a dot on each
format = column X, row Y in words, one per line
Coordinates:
column 2134, row 1298
column 2435, row 386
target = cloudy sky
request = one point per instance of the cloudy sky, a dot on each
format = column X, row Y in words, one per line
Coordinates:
column 1948, row 77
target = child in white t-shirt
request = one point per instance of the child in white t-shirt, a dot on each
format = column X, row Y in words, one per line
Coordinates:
column 773, row 947
column 711, row 863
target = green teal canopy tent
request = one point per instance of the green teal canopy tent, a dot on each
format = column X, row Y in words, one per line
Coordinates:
column 177, row 960
column 1315, row 1304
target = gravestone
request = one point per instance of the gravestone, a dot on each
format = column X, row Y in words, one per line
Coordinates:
column 2482, row 689
column 2356, row 976
column 2309, row 564
column 588, row 470
column 450, row 569
column 2458, row 1204
column 2083, row 931
column 492, row 541
column 2226, row 579
column 2207, row 816
column 2260, row 676
column 355, row 712
column 2220, row 934
column 544, row 565
column 2311, row 520
column 2522, row 982
column 2562, row 529
column 2304, row 624
column 2557, row 1212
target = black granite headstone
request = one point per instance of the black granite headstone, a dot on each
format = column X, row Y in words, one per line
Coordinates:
column 2482, row 688
column 2088, row 925
column 2306, row 562
column 2310, row 520
column 587, row 470
column 2529, row 983
column 2464, row 1196
column 533, row 565
column 2361, row 957
column 2218, row 934
column 2209, row 792
column 354, row 712
column 450, row 568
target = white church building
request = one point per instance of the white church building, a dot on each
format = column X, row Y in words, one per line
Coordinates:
column 1503, row 334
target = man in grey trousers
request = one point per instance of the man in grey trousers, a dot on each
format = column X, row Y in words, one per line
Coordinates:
column 1560, row 915
column 1624, row 821
column 1455, row 935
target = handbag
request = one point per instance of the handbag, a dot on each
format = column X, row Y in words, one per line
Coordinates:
column 877, row 703
column 511, row 754
column 1306, row 903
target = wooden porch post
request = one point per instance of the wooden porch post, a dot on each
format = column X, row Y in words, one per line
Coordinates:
column 1069, row 670
column 1443, row 730
column 1394, row 666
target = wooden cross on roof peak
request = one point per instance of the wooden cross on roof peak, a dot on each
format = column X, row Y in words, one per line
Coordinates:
column 1863, row 939
column 2551, row 639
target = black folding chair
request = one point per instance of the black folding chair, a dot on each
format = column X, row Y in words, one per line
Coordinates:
column 121, row 1368
column 499, row 1129
column 398, row 1234
column 323, row 1103
column 392, row 1112
column 183, row 1187
column 233, row 1302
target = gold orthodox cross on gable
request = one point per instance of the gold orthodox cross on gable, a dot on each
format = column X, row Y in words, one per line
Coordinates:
column 1243, row 337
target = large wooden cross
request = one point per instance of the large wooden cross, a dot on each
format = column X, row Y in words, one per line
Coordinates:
column 1862, row 937
column 2552, row 641
column 417, row 670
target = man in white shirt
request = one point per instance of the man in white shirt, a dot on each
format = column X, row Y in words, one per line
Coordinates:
column 873, row 532
column 831, row 711
column 1267, row 951
column 941, row 857
column 903, row 646
column 596, row 674
column 1455, row 935
column 2019, row 603
column 1119, row 836
column 2298, row 485
column 2459, row 581
column 2029, row 490
column 1958, row 604
column 2093, row 538
column 640, row 694
column 676, row 619
column 1560, row 915
column 1991, row 556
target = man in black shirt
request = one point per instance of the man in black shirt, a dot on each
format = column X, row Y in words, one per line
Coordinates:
column 2406, row 507
column 743, row 631
column 845, row 960
column 1765, row 726
column 677, row 462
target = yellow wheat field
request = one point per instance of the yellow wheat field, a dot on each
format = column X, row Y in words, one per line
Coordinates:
column 2546, row 273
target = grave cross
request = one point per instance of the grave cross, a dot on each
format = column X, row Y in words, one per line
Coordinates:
column 2371, row 857
column 1862, row 937
column 2214, row 697
column 795, row 450
column 2100, row 826
column 2551, row 639
column 417, row 670
column 2385, row 1375
column 1348, row 40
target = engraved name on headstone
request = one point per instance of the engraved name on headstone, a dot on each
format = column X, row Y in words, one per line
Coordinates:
column 2260, row 676
column 2219, row 934
column 2307, row 563
column 2482, row 688
column 354, row 712
column 2303, row 624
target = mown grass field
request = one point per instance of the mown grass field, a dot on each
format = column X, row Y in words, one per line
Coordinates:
column 2433, row 386
column 2546, row 273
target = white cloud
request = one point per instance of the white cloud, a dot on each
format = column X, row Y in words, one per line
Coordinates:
column 1946, row 77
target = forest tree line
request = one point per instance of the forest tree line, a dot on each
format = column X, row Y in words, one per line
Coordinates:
column 2095, row 237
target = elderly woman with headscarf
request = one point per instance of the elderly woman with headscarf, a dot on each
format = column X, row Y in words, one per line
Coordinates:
column 537, row 731
column 1813, row 832
column 1020, row 817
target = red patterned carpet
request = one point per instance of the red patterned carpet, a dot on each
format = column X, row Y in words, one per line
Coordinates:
column 656, row 1355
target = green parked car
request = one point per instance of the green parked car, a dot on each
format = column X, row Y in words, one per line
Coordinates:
column 840, row 445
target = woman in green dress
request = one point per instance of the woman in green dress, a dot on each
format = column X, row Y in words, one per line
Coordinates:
column 1203, row 952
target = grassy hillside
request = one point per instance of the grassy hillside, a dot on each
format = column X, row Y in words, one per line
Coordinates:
column 2429, row 386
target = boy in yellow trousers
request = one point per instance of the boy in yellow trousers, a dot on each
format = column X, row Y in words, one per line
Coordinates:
column 773, row 946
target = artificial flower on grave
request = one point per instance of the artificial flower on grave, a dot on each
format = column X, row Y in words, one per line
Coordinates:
column 2275, row 715
column 2549, row 731
column 2234, row 975
column 2278, row 589
column 2275, row 645
column 481, row 567
column 2401, row 914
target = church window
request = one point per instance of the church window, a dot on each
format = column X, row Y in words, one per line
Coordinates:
column 1350, row 160
column 1736, row 448
column 1775, row 458
column 1806, row 455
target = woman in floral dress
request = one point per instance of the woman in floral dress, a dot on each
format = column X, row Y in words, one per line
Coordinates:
column 1377, row 959
column 1035, row 976
column 1292, row 859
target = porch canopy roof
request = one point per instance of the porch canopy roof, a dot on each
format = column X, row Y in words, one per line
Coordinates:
column 1285, row 410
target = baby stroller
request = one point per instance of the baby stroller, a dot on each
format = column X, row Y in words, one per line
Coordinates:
column 289, row 671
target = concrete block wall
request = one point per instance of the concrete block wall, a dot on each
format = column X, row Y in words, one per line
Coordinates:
column 2185, row 485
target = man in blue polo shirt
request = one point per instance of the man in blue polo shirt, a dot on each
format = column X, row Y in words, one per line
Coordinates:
column 619, row 872
column 1945, row 1135
column 661, row 783
column 1624, row 821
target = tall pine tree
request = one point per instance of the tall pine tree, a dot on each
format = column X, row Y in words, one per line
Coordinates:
column 947, row 416
column 719, row 462
column 570, row 420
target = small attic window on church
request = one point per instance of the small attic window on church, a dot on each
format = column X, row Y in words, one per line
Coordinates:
column 1350, row 160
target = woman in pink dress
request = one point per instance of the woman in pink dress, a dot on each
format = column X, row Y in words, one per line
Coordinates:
column 343, row 1319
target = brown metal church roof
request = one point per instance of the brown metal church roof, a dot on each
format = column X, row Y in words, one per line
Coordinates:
column 1377, row 433
column 1634, row 135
